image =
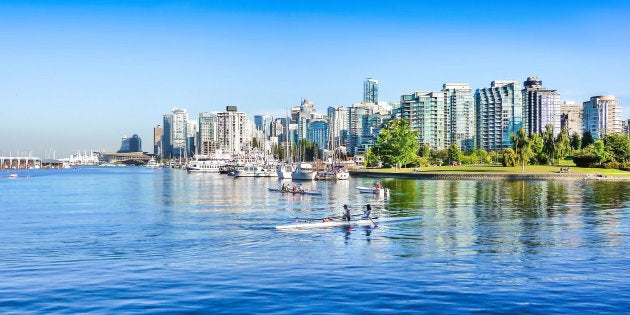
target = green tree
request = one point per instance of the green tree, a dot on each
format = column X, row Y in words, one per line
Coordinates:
column 587, row 139
column 522, row 147
column 493, row 156
column 424, row 151
column 549, row 148
column 371, row 159
column 563, row 145
column 396, row 144
column 482, row 156
column 576, row 141
column 619, row 147
column 538, row 156
column 454, row 153
column 509, row 157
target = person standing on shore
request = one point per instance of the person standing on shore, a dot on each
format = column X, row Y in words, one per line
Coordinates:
column 346, row 213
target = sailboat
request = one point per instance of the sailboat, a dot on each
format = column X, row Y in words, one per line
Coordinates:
column 286, row 169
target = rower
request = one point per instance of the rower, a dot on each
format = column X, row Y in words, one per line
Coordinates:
column 346, row 213
column 368, row 212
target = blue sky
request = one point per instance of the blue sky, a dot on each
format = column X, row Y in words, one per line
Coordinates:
column 77, row 76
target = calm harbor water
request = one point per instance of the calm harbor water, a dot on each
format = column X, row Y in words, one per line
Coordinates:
column 138, row 240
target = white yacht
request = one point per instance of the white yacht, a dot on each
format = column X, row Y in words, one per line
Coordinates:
column 342, row 174
column 304, row 171
column 152, row 163
column 204, row 164
column 284, row 170
column 248, row 170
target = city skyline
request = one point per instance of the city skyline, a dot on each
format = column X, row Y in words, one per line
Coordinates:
column 80, row 77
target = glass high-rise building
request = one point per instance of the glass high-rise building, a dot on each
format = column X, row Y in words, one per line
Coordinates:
column 541, row 107
column 499, row 113
column 131, row 144
column 427, row 114
column 602, row 115
column 175, row 135
column 370, row 91
column 460, row 107
column 263, row 123
column 207, row 135
column 319, row 132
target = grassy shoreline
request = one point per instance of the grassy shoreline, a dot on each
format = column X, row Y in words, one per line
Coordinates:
column 496, row 172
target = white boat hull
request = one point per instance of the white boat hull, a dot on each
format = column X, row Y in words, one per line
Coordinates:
column 297, row 192
column 321, row 224
column 372, row 190
column 340, row 223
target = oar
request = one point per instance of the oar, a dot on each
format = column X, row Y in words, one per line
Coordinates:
column 375, row 226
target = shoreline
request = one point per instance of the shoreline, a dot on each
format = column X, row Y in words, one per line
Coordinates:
column 484, row 176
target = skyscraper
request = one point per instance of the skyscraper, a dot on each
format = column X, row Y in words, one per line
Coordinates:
column 541, row 107
column 572, row 117
column 499, row 112
column 602, row 115
column 234, row 130
column 131, row 144
column 158, row 132
column 207, row 136
column 263, row 123
column 175, row 134
column 460, row 107
column 427, row 114
column 370, row 91
column 357, row 122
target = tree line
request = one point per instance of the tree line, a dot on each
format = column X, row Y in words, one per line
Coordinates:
column 397, row 146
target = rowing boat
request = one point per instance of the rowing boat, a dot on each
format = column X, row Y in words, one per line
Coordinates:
column 372, row 190
column 343, row 223
column 325, row 224
column 304, row 192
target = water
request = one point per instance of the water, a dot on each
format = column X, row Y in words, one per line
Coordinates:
column 136, row 240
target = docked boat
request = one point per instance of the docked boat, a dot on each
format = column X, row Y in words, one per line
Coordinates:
column 204, row 164
column 338, row 174
column 342, row 174
column 304, row 171
column 284, row 170
column 248, row 170
column 296, row 192
column 265, row 171
column 152, row 163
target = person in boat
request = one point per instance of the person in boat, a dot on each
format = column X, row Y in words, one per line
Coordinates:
column 368, row 212
column 378, row 185
column 294, row 188
column 346, row 213
column 301, row 189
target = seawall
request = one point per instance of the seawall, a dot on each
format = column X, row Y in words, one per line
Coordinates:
column 481, row 176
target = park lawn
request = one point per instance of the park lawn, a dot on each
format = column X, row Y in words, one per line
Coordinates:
column 497, row 169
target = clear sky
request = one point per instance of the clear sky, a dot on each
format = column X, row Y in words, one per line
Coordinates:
column 79, row 75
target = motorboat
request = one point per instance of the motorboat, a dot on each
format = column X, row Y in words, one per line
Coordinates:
column 304, row 171
column 248, row 170
column 204, row 164
column 284, row 170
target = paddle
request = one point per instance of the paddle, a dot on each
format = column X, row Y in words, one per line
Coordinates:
column 375, row 226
